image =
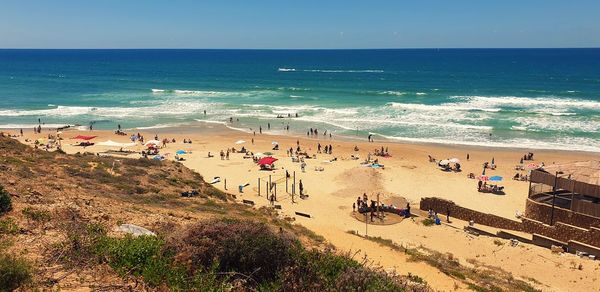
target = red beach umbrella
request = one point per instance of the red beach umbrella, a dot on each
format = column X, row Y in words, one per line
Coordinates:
column 267, row 160
column 483, row 178
column 82, row 137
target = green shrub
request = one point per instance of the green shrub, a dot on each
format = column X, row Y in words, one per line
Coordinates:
column 8, row 226
column 212, row 255
column 14, row 272
column 5, row 201
column 428, row 222
column 235, row 246
column 36, row 214
column 131, row 255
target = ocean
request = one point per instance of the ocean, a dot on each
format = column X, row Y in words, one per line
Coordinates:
column 531, row 98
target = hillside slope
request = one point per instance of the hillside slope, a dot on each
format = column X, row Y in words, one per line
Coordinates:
column 61, row 232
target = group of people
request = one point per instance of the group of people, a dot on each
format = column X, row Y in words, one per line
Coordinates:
column 482, row 186
column 328, row 149
column 224, row 155
column 137, row 137
column 315, row 133
column 383, row 152
column 363, row 206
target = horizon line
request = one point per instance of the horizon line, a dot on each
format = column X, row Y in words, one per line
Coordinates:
column 316, row 49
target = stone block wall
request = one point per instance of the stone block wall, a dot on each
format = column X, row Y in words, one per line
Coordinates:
column 441, row 206
column 542, row 212
column 561, row 231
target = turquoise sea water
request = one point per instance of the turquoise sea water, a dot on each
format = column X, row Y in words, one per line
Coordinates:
column 538, row 98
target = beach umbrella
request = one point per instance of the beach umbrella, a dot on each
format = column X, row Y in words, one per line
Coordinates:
column 180, row 152
column 533, row 166
column 152, row 142
column 496, row 178
column 267, row 160
column 82, row 137
column 483, row 178
column 444, row 162
column 240, row 142
column 455, row 160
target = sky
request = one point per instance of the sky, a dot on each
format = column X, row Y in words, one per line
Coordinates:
column 300, row 24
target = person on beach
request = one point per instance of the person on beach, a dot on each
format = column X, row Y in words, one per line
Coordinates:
column 318, row 147
column 353, row 207
column 222, row 155
column 227, row 154
column 268, row 126
column 21, row 132
column 370, row 138
column 205, row 112
column 260, row 129
column 468, row 156
column 301, row 187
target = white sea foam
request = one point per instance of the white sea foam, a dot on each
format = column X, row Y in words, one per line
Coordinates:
column 31, row 126
column 442, row 107
column 563, row 114
column 286, row 69
column 529, row 102
column 391, row 92
column 160, row 126
column 421, row 93
column 578, row 144
column 518, row 128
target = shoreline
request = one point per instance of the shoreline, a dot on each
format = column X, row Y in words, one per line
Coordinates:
column 204, row 125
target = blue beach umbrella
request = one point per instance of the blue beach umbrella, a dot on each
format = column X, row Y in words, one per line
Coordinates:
column 180, row 152
column 496, row 178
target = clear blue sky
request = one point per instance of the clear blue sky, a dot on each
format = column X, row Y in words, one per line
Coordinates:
column 298, row 23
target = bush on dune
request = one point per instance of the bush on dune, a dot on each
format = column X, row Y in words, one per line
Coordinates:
column 5, row 201
column 227, row 254
column 14, row 272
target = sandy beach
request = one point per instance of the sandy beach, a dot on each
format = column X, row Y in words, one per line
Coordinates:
column 407, row 174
